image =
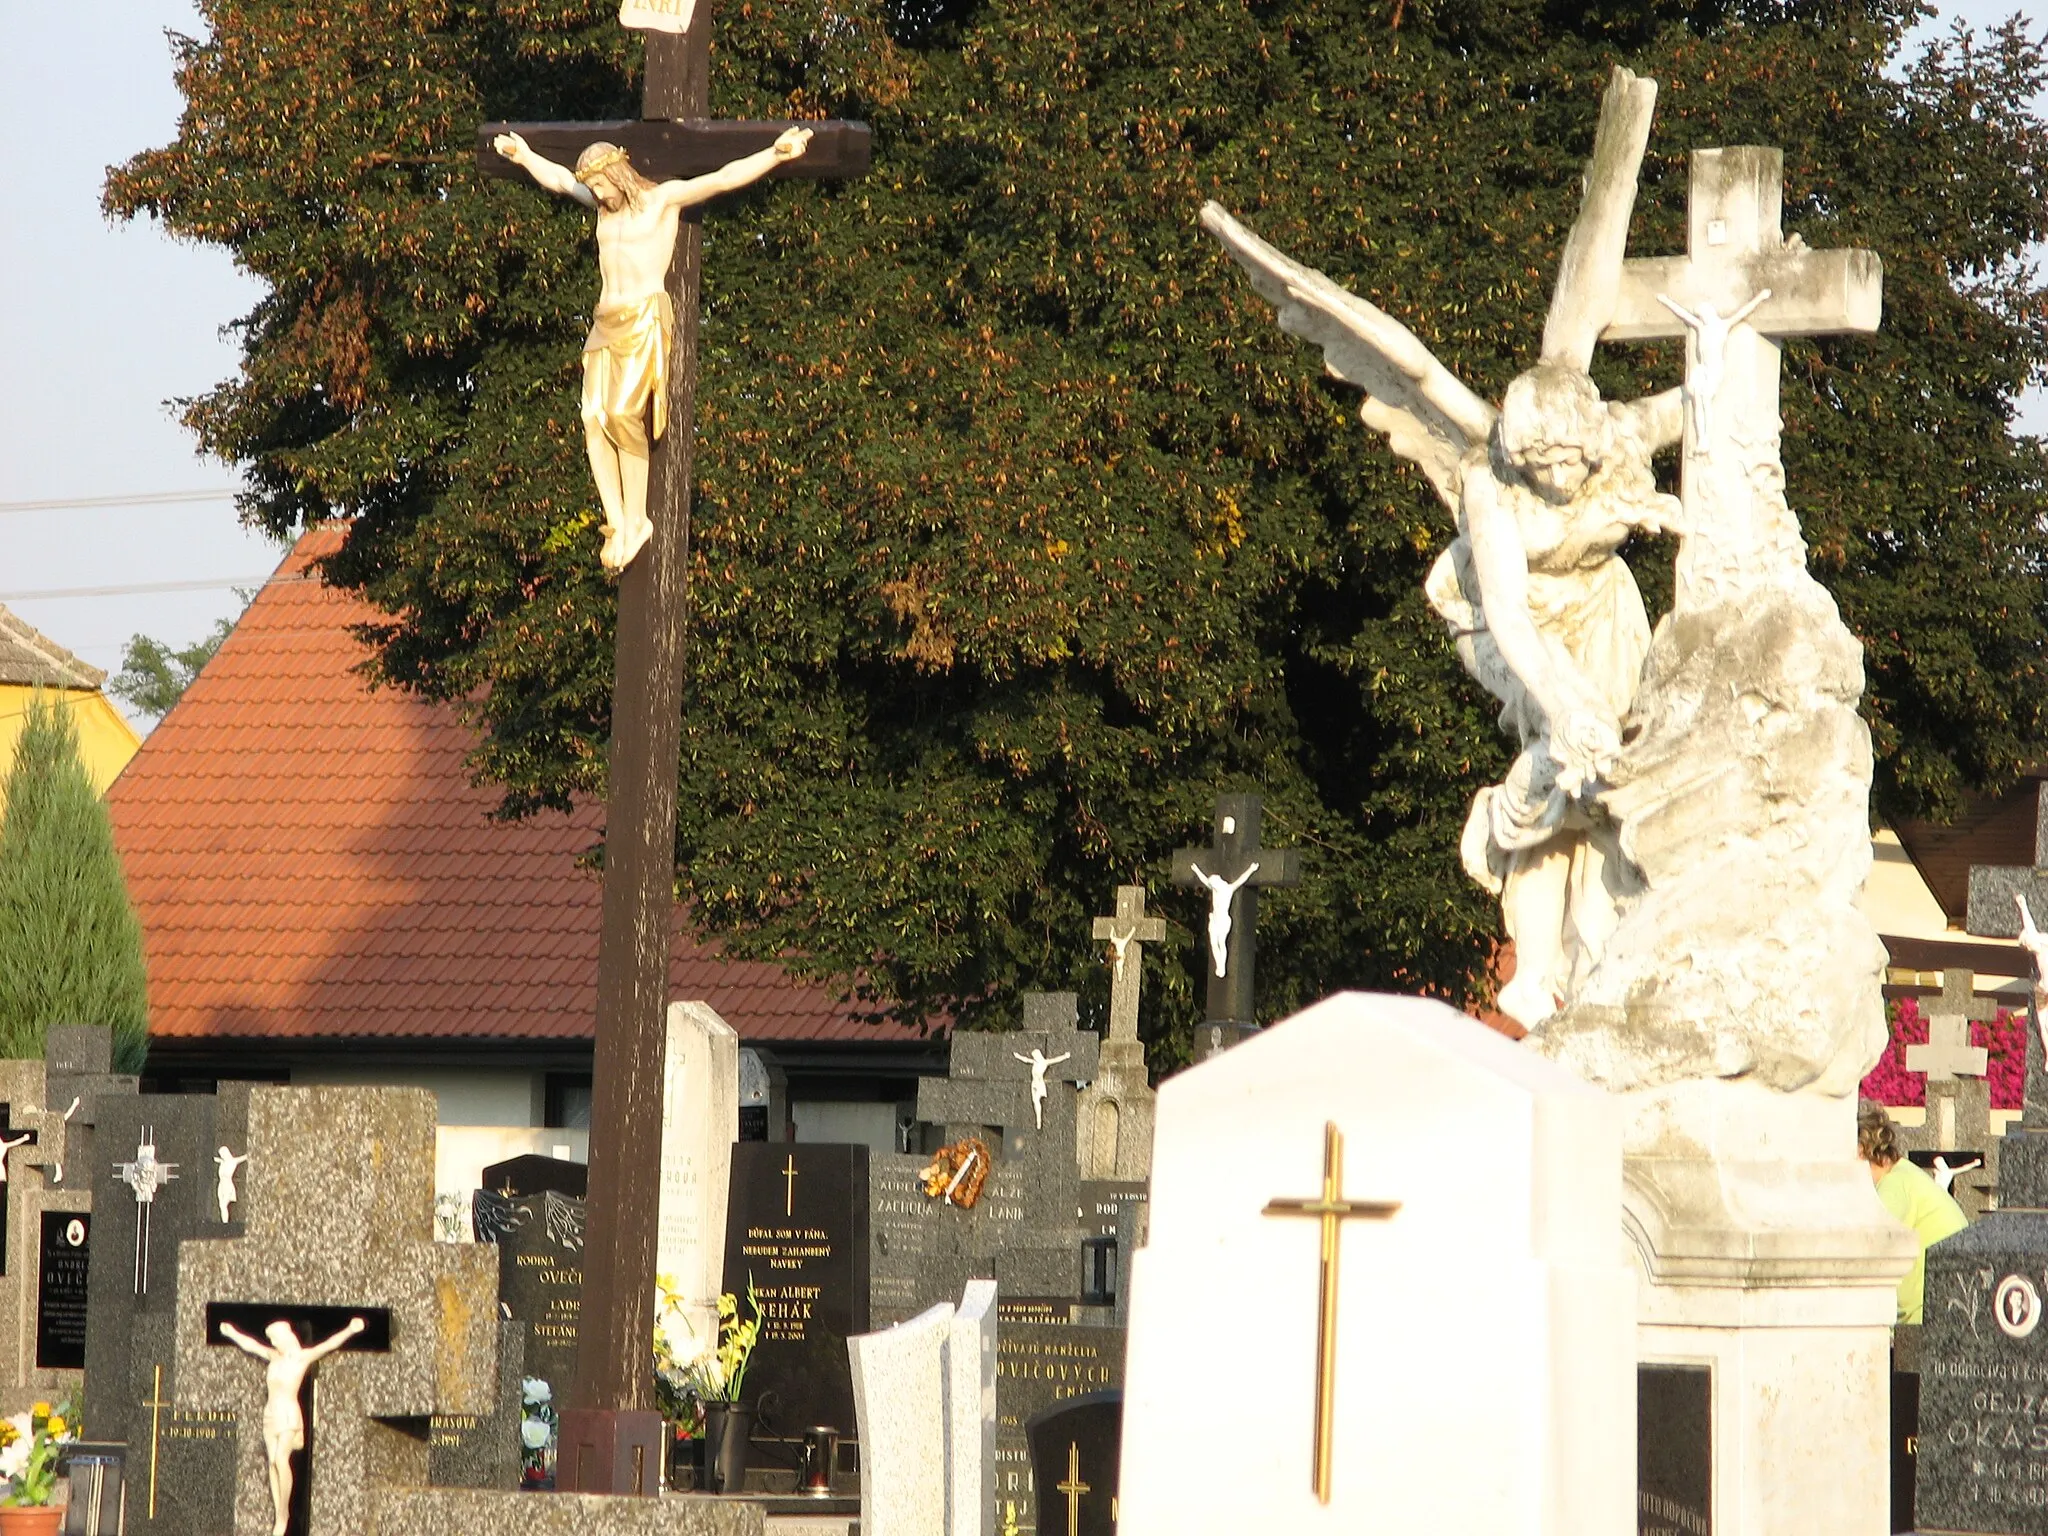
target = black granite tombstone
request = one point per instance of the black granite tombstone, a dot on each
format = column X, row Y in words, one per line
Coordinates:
column 1674, row 1450
column 1905, row 1433
column 530, row 1173
column 540, row 1274
column 1074, row 1450
column 796, row 1231
column 132, row 1293
column 1040, row 1366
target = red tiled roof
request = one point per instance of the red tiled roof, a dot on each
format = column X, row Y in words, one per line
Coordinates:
column 311, row 861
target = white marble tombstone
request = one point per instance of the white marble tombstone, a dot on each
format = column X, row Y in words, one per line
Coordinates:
column 1483, row 1332
column 699, row 1118
column 899, row 1393
column 971, row 1413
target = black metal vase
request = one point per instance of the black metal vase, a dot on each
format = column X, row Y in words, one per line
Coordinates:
column 728, row 1427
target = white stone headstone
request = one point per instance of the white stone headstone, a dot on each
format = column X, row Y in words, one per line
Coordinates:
column 1498, row 1294
column 699, row 1118
column 899, row 1394
column 971, row 1413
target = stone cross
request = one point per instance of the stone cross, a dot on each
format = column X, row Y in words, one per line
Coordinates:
column 1233, row 869
column 338, row 1222
column 1332, row 1209
column 610, row 1418
column 1948, row 1053
column 1737, row 255
column 1126, row 927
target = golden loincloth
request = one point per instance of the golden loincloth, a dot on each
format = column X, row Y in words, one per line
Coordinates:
column 625, row 365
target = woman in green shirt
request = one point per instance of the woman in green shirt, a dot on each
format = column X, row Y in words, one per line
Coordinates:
column 1915, row 1200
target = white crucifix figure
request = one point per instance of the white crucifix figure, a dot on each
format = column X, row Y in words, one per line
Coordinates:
column 286, row 1362
column 225, row 1164
column 145, row 1175
column 1945, row 1176
column 7, row 1145
column 1740, row 531
column 1709, row 357
column 1222, row 893
column 2035, row 942
column 1038, row 1061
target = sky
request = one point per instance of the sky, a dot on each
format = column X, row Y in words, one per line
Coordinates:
column 102, row 324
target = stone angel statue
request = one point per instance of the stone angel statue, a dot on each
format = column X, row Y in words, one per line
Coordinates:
column 1542, row 609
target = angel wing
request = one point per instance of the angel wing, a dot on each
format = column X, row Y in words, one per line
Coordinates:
column 1428, row 416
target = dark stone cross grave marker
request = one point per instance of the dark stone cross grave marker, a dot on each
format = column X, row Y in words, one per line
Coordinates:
column 49, row 1202
column 1957, row 1127
column 610, row 1432
column 338, row 1200
column 180, row 1465
column 1233, row 870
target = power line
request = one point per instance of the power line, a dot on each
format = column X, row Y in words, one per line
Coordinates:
column 145, row 499
column 140, row 587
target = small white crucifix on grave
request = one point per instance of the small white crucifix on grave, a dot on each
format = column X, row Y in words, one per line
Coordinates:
column 1038, row 1061
column 225, row 1164
column 8, row 1144
column 145, row 1175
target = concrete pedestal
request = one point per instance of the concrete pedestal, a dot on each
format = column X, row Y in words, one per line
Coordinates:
column 1766, row 1257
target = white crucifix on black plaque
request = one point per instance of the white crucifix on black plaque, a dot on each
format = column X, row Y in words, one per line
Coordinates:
column 144, row 1176
column 1232, row 872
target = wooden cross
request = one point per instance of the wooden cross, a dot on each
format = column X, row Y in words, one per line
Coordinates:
column 614, row 1388
column 1073, row 1488
column 1237, row 859
column 1127, row 926
column 1331, row 1209
column 1948, row 1053
column 1735, row 252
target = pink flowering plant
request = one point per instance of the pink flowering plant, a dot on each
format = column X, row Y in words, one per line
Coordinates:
column 2005, row 1037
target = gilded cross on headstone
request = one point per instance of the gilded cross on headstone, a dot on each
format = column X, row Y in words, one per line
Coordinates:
column 1124, row 929
column 1331, row 1209
column 156, row 1403
column 789, row 1174
column 1073, row 1488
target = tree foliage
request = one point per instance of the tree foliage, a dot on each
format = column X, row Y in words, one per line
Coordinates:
column 1020, row 530
column 70, row 943
column 154, row 676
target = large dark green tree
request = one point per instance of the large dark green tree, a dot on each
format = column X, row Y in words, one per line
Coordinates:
column 1020, row 529
column 70, row 942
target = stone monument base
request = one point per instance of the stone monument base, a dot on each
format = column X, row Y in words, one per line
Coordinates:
column 438, row 1511
column 1766, row 1258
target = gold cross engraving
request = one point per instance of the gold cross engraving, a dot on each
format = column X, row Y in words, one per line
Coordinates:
column 1073, row 1488
column 156, row 1405
column 1331, row 1209
column 789, row 1186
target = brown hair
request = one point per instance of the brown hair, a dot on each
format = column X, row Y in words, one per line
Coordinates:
column 1877, row 1138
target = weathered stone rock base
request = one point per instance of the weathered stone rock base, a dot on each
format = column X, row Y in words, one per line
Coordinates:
column 475, row 1512
column 1765, row 1255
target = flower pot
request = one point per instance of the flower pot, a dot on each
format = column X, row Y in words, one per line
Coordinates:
column 30, row 1519
column 727, row 1428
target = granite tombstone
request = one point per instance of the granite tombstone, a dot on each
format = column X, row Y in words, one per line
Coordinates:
column 797, row 1235
column 1075, row 1446
column 539, row 1242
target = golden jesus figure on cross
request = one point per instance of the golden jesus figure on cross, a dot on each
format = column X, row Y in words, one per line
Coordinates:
column 625, row 359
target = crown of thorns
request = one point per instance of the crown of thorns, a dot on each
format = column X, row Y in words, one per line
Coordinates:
column 604, row 161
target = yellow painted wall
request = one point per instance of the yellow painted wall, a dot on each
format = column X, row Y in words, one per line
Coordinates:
column 105, row 738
